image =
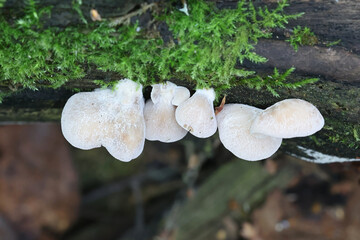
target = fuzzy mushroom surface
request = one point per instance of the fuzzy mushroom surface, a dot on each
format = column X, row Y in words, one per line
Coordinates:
column 234, row 122
column 288, row 119
column 197, row 115
column 110, row 118
column 159, row 113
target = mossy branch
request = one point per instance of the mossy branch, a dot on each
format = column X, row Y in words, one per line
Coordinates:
column 207, row 46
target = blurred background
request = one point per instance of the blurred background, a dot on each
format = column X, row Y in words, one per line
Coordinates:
column 192, row 189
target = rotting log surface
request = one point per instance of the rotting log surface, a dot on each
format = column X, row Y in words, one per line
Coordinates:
column 337, row 94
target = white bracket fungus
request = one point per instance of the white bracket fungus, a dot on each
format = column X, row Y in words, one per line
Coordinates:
column 197, row 115
column 288, row 119
column 113, row 119
column 234, row 122
column 181, row 94
column 159, row 113
column 119, row 121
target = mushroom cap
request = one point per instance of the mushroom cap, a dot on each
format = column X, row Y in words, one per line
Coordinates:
column 124, row 134
column 129, row 93
column 81, row 113
column 113, row 119
column 289, row 118
column 163, row 92
column 181, row 94
column 169, row 92
column 234, row 122
column 161, row 124
column 197, row 115
column 159, row 114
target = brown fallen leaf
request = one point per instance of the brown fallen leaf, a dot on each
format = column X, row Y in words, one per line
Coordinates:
column 95, row 16
column 220, row 108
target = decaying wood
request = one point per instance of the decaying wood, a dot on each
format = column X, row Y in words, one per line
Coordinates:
column 330, row 62
column 337, row 94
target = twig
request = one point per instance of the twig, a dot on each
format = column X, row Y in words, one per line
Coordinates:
column 119, row 186
column 126, row 18
column 112, row 188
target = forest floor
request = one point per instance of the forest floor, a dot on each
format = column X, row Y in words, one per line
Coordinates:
column 51, row 191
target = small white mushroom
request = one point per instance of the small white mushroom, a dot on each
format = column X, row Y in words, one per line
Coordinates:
column 234, row 122
column 196, row 114
column 80, row 120
column 159, row 113
column 113, row 119
column 181, row 94
column 288, row 119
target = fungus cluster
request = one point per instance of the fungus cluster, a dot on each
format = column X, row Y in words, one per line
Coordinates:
column 113, row 119
column 120, row 120
column 254, row 134
column 159, row 113
column 197, row 114
column 234, row 123
column 288, row 119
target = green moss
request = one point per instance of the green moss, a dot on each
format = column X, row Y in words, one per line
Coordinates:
column 76, row 6
column 339, row 134
column 45, row 114
column 31, row 56
column 301, row 37
column 330, row 44
column 276, row 80
column 342, row 133
column 337, row 138
column 208, row 49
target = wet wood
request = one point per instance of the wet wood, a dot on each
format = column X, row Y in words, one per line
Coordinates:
column 332, row 63
column 337, row 94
